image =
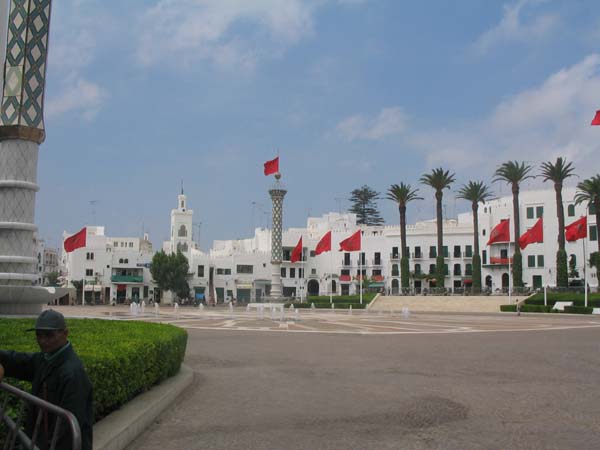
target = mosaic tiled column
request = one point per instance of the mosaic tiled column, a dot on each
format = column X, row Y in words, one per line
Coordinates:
column 277, row 193
column 21, row 133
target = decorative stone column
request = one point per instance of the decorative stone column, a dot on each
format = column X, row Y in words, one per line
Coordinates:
column 277, row 192
column 21, row 133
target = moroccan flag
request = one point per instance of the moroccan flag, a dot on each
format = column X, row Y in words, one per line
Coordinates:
column 324, row 244
column 272, row 166
column 577, row 230
column 533, row 235
column 297, row 252
column 351, row 244
column 500, row 233
column 596, row 120
column 76, row 241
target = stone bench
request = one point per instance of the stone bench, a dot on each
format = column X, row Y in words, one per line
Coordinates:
column 560, row 306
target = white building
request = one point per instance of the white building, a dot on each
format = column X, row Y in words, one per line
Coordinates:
column 114, row 269
column 241, row 269
column 47, row 261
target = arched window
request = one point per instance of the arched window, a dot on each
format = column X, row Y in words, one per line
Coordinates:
column 182, row 247
column 571, row 210
column 182, row 231
column 395, row 271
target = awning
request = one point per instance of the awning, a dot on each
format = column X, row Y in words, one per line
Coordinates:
column 243, row 286
column 377, row 284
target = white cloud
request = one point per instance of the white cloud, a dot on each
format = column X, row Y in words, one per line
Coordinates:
column 75, row 32
column 79, row 95
column 389, row 122
column 190, row 30
column 513, row 27
column 535, row 125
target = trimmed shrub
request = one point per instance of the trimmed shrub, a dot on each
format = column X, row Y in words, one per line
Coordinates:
column 527, row 308
column 122, row 358
column 578, row 310
column 508, row 308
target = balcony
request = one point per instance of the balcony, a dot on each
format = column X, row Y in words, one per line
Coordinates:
column 127, row 279
column 378, row 278
column 345, row 278
column 498, row 261
column 376, row 262
column 417, row 255
column 394, row 256
column 346, row 263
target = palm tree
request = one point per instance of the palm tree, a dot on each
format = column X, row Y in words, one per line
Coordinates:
column 514, row 173
column 439, row 180
column 476, row 192
column 588, row 191
column 402, row 194
column 558, row 172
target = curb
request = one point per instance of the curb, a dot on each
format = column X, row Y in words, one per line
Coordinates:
column 119, row 428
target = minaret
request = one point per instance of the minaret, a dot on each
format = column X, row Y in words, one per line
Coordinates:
column 181, row 226
column 21, row 133
column 277, row 192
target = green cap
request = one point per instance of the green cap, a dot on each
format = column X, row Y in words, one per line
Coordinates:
column 50, row 320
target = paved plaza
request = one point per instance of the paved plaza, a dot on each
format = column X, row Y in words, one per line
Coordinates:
column 380, row 381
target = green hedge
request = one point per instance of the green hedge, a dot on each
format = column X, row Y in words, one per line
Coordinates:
column 350, row 299
column 553, row 297
column 122, row 358
column 578, row 310
column 547, row 309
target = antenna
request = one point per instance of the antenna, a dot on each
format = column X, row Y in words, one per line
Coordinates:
column 93, row 207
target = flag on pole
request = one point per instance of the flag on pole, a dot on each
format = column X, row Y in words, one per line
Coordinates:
column 272, row 166
column 352, row 243
column 596, row 120
column 501, row 232
column 533, row 235
column 324, row 244
column 76, row 241
column 297, row 252
column 577, row 230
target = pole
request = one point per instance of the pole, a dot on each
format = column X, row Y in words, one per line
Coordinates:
column 330, row 276
column 361, row 273
column 585, row 289
column 546, row 295
column 509, row 276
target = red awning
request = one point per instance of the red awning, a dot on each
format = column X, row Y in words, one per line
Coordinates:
column 121, row 287
column 345, row 278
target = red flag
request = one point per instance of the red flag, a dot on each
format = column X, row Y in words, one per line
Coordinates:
column 596, row 120
column 577, row 230
column 76, row 241
column 501, row 232
column 533, row 235
column 297, row 252
column 351, row 244
column 272, row 166
column 324, row 244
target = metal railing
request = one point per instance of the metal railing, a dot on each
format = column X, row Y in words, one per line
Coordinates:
column 16, row 435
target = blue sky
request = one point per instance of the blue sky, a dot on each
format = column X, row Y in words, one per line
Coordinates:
column 142, row 94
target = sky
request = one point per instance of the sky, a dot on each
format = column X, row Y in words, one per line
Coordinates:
column 144, row 95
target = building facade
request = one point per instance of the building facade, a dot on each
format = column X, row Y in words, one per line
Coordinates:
column 241, row 269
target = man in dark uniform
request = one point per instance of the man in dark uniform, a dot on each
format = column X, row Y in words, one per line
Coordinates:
column 57, row 376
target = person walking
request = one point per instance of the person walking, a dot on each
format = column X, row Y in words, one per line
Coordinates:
column 58, row 376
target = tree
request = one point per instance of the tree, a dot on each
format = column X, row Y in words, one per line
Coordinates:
column 439, row 180
column 403, row 194
column 514, row 173
column 170, row 273
column 588, row 191
column 476, row 192
column 364, row 205
column 52, row 279
column 558, row 172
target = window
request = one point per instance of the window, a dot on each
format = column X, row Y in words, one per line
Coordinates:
column 431, row 269
column 126, row 261
column 283, row 272
column 182, row 231
column 417, row 269
column 314, row 271
column 115, row 244
column 531, row 261
column 540, row 261
column 300, row 273
column 417, row 252
column 484, row 257
column 539, row 211
column 468, row 269
column 131, row 244
column 89, row 256
column 122, row 244
column 377, row 260
column 483, row 232
column 244, row 268
column 376, row 272
column 571, row 210
column 592, row 209
column 221, row 271
column 457, row 269
column 292, row 272
column 593, row 233
column 446, row 269
column 120, row 260
column 504, row 253
column 530, row 212
column 445, row 250
column 395, row 271
column 344, row 271
column 89, row 272
column 432, row 251
column 469, row 251
column 364, row 272
column 394, row 252
column 346, row 259
column 286, row 254
column 362, row 258
column 201, row 271
column 313, row 254
column 457, row 251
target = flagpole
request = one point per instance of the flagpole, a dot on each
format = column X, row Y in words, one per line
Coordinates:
column 331, row 276
column 509, row 276
column 361, row 273
column 585, row 295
